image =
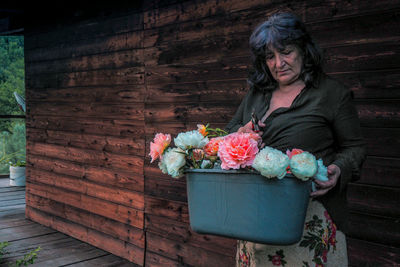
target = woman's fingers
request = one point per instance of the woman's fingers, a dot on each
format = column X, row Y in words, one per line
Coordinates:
column 324, row 187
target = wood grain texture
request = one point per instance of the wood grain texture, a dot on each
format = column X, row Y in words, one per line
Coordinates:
column 98, row 89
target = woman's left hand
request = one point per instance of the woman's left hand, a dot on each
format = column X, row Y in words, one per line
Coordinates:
column 324, row 187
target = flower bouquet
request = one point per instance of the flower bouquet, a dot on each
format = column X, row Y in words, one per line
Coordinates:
column 238, row 189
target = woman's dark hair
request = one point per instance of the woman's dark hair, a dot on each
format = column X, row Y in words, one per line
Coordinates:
column 280, row 30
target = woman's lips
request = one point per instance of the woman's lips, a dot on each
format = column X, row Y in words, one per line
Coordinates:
column 282, row 72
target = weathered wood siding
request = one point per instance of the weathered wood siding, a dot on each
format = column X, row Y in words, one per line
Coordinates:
column 100, row 88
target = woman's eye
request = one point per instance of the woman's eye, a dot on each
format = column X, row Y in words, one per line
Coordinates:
column 286, row 52
column 268, row 57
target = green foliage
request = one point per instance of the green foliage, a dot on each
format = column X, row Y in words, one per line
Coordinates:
column 12, row 76
column 28, row 258
column 12, row 146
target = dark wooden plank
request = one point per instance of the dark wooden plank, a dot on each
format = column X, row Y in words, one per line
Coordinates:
column 363, row 253
column 12, row 189
column 13, row 220
column 97, row 206
column 116, row 195
column 107, row 95
column 331, row 10
column 77, row 109
column 113, row 177
column 373, row 228
column 379, row 113
column 182, row 233
column 189, row 112
column 112, row 144
column 381, row 171
column 95, row 238
column 12, row 195
column 362, row 57
column 12, row 207
column 204, row 91
column 372, row 84
column 184, row 253
column 87, row 156
column 167, row 208
column 378, row 200
column 91, row 30
column 155, row 260
column 24, row 231
column 102, row 77
column 382, row 142
column 117, row 60
column 117, row 126
column 165, row 187
column 64, row 255
column 13, row 202
column 105, row 261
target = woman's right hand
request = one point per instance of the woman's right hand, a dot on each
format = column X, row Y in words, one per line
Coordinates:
column 248, row 128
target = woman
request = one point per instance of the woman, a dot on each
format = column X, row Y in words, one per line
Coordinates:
column 301, row 107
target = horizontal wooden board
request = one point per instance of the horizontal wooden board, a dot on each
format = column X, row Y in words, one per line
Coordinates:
column 364, row 253
column 372, row 84
column 165, row 187
column 118, row 126
column 182, row 233
column 109, row 60
column 381, row 171
column 373, row 228
column 379, row 113
column 204, row 91
column 331, row 10
column 134, row 93
column 112, row 144
column 125, row 197
column 360, row 29
column 167, row 208
column 93, row 237
column 106, row 176
column 382, row 142
column 111, row 227
column 131, row 111
column 97, row 206
column 89, row 30
column 184, row 253
column 102, row 77
column 189, row 112
column 379, row 200
column 155, row 260
column 85, row 156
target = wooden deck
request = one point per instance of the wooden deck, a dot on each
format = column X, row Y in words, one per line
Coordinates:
column 57, row 249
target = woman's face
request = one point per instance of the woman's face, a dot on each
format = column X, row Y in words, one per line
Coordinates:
column 285, row 65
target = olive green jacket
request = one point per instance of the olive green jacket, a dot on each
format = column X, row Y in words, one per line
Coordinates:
column 321, row 120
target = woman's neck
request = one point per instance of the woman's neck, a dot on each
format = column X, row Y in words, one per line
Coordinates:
column 290, row 88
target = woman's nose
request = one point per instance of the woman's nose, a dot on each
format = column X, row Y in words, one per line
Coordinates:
column 280, row 62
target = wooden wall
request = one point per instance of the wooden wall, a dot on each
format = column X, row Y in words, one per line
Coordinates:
column 99, row 88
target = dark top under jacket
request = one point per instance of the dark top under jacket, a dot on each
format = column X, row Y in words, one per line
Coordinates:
column 321, row 120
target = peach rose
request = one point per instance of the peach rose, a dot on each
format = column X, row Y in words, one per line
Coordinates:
column 237, row 150
column 158, row 146
column 211, row 148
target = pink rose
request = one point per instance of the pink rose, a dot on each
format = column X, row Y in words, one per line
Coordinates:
column 237, row 150
column 159, row 144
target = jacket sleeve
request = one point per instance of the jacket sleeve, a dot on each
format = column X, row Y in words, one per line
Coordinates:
column 237, row 120
column 351, row 151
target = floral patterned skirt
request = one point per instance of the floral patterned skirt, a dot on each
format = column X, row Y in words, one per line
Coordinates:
column 321, row 245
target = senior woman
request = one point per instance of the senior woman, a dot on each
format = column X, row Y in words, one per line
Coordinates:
column 302, row 107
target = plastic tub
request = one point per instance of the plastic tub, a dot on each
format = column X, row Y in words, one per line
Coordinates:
column 245, row 205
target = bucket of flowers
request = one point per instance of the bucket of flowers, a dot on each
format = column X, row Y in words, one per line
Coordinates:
column 237, row 189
